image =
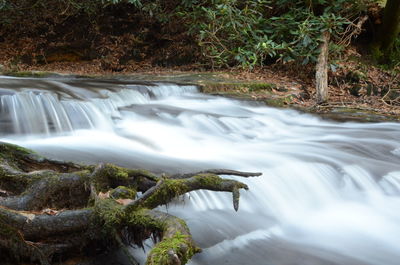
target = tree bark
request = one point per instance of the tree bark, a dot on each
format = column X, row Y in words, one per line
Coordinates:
column 54, row 209
column 321, row 75
column 390, row 28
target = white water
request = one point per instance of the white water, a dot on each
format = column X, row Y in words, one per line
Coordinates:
column 329, row 193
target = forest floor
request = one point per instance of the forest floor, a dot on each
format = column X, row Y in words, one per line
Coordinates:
column 357, row 90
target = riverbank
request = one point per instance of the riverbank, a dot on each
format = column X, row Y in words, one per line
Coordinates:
column 283, row 87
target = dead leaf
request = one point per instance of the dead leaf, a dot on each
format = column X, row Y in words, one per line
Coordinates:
column 104, row 195
column 124, row 201
column 50, row 211
column 29, row 216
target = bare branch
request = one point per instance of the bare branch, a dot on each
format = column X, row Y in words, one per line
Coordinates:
column 219, row 172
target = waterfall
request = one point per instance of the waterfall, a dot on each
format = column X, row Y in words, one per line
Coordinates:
column 329, row 194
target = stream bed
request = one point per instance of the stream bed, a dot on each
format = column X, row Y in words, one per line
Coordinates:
column 329, row 193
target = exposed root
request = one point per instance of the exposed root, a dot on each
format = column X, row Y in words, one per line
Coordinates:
column 176, row 246
column 53, row 209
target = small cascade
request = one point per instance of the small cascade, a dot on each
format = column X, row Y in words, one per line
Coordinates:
column 61, row 108
column 329, row 194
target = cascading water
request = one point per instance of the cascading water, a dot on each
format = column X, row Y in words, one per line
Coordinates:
column 330, row 192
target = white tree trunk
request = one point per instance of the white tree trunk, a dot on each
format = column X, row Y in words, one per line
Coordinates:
column 321, row 75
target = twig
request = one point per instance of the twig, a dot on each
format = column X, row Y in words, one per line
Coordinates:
column 345, row 41
column 219, row 172
column 144, row 197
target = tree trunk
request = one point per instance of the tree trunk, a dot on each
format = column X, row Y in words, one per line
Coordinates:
column 390, row 27
column 321, row 75
column 382, row 46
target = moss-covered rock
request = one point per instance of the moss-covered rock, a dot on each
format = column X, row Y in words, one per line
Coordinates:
column 34, row 74
column 280, row 101
column 243, row 87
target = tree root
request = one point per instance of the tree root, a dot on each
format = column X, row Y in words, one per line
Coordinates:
column 52, row 209
column 176, row 246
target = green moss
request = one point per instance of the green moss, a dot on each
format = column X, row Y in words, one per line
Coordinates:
column 110, row 214
column 355, row 76
column 142, row 173
column 280, row 101
column 183, row 224
column 109, row 175
column 170, row 189
column 11, row 150
column 141, row 225
column 17, row 156
column 55, row 194
column 140, row 218
column 209, row 180
column 261, row 86
column 35, row 74
column 116, row 172
column 85, row 175
column 13, row 183
column 237, row 86
column 50, row 175
column 123, row 192
column 179, row 244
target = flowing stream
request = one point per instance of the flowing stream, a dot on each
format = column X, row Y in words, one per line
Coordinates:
column 329, row 194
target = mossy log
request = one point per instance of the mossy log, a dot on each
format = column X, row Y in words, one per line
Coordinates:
column 51, row 210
